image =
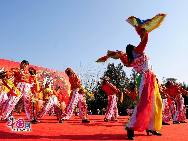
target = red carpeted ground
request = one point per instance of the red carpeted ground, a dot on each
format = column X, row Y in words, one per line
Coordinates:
column 50, row 129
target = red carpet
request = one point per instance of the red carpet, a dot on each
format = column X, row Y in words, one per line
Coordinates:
column 49, row 129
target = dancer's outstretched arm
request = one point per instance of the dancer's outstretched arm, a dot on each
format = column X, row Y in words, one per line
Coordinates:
column 144, row 39
column 123, row 57
column 113, row 87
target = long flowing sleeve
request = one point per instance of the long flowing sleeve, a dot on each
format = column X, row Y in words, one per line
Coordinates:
column 123, row 58
column 144, row 39
column 113, row 87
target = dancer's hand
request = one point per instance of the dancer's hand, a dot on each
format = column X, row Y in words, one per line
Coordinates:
column 141, row 31
column 120, row 53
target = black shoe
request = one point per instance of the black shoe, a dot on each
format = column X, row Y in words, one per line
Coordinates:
column 34, row 121
column 153, row 133
column 3, row 120
column 106, row 120
column 156, row 133
column 165, row 123
column 183, row 122
column 114, row 119
column 85, row 121
column 130, row 134
column 61, row 120
column 148, row 132
column 176, row 122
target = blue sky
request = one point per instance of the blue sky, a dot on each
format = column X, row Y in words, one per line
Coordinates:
column 62, row 33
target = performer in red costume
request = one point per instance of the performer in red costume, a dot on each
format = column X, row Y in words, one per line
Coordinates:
column 167, row 116
column 7, row 89
column 175, row 91
column 63, row 99
column 180, row 115
column 131, row 91
column 51, row 102
column 147, row 114
column 111, row 91
column 22, row 83
column 76, row 97
column 34, row 93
